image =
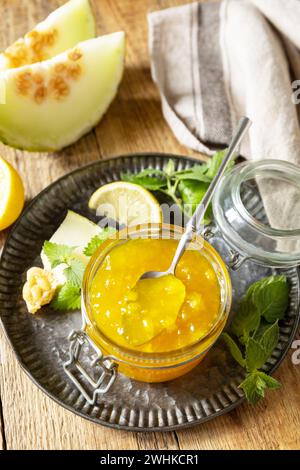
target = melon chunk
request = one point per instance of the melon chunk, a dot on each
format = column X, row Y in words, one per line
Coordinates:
column 64, row 28
column 75, row 230
column 51, row 104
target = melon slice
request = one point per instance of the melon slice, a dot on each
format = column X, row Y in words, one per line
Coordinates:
column 51, row 104
column 75, row 230
column 64, row 28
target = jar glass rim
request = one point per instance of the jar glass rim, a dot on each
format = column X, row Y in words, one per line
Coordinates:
column 250, row 170
column 232, row 182
column 132, row 354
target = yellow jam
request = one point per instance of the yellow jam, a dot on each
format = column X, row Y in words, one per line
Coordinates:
column 154, row 315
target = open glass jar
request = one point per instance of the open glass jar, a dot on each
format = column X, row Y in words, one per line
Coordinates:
column 141, row 365
column 256, row 214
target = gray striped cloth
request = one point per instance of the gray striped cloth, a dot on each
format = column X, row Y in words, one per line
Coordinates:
column 214, row 62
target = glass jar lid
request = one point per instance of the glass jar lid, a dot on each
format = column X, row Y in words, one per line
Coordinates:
column 257, row 209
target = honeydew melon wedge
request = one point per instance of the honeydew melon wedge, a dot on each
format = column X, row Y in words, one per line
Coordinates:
column 75, row 230
column 62, row 29
column 51, row 104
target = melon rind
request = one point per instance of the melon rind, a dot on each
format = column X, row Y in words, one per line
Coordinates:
column 56, row 123
column 70, row 24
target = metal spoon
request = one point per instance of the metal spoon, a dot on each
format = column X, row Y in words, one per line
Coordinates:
column 197, row 217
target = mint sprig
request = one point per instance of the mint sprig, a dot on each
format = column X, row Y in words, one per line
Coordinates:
column 256, row 383
column 184, row 187
column 57, row 253
column 68, row 297
column 63, row 254
column 74, row 272
column 97, row 240
column 255, row 327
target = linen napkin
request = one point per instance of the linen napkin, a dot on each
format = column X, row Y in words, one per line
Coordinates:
column 215, row 62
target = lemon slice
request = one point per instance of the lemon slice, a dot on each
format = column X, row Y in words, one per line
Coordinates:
column 128, row 203
column 11, row 194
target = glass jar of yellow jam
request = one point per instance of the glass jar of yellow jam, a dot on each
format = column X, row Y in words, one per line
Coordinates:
column 154, row 330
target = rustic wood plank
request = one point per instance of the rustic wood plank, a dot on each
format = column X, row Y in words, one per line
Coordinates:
column 48, row 426
column 2, row 432
column 135, row 116
column 133, row 123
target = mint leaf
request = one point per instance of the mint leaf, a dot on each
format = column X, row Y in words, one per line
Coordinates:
column 197, row 172
column 256, row 355
column 147, row 179
column 258, row 352
column 169, row 168
column 261, row 329
column 256, row 325
column 68, row 297
column 145, row 172
column 214, row 163
column 74, row 272
column 271, row 297
column 255, row 384
column 192, row 193
column 271, row 383
column 97, row 240
column 246, row 319
column 234, row 349
column 253, row 389
column 56, row 253
column 185, row 187
column 269, row 339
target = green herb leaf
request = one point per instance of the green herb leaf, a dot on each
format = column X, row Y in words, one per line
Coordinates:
column 271, row 297
column 271, row 383
column 145, row 172
column 253, row 387
column 68, row 297
column 266, row 298
column 269, row 339
column 74, row 272
column 97, row 240
column 256, row 355
column 169, row 168
column 57, row 254
column 246, row 319
column 214, row 163
column 185, row 187
column 255, row 384
column 234, row 349
column 197, row 172
column 149, row 182
column 261, row 329
column 191, row 193
column 258, row 352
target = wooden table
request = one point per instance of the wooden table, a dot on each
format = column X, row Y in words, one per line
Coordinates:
column 134, row 123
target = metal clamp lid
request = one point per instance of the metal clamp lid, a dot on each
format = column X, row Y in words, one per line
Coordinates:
column 234, row 259
column 108, row 368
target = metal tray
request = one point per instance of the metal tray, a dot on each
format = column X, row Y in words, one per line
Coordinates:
column 41, row 345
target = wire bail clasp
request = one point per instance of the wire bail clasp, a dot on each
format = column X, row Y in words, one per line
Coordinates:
column 108, row 368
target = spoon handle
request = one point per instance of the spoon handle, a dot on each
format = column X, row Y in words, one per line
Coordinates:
column 197, row 217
